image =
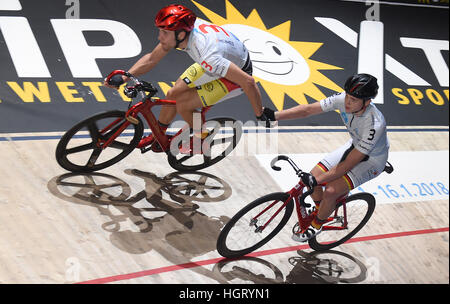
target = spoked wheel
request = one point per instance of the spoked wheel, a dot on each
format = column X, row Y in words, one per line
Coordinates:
column 252, row 227
column 224, row 135
column 80, row 149
column 197, row 186
column 359, row 208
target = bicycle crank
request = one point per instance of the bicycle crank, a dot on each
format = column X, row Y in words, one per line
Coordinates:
column 258, row 229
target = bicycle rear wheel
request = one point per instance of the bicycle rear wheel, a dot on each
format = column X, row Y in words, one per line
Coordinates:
column 359, row 208
column 243, row 233
column 225, row 134
column 79, row 149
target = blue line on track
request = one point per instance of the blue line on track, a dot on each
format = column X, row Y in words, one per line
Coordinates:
column 50, row 137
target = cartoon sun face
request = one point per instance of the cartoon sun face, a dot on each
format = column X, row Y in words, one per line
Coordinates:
column 281, row 66
column 273, row 59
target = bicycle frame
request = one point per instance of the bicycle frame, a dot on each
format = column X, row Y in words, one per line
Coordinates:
column 305, row 219
column 145, row 108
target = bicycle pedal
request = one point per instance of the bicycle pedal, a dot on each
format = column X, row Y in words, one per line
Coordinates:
column 156, row 148
column 146, row 149
column 312, row 210
column 296, row 229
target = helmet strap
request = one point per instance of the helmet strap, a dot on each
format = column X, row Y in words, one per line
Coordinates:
column 178, row 40
column 362, row 107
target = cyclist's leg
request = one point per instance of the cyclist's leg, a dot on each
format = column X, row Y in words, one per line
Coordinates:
column 328, row 162
column 333, row 191
column 187, row 100
column 360, row 174
column 166, row 116
column 195, row 89
column 317, row 195
column 181, row 91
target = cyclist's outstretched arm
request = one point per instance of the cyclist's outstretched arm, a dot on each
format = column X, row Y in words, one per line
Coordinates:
column 144, row 64
column 148, row 61
column 248, row 84
column 300, row 111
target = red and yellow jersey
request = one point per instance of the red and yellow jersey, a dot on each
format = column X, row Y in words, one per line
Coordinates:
column 214, row 47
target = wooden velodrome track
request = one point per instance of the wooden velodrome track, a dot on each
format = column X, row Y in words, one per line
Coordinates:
column 140, row 222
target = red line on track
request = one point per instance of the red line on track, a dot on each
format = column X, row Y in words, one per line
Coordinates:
column 139, row 274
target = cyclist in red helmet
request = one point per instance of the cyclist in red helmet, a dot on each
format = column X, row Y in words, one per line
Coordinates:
column 178, row 19
column 361, row 159
column 222, row 67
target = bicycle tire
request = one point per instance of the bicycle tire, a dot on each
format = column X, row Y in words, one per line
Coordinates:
column 179, row 164
column 62, row 150
column 321, row 243
column 223, row 246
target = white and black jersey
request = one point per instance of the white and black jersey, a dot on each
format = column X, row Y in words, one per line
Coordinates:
column 368, row 131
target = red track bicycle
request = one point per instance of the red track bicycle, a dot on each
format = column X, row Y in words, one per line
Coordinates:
column 258, row 222
column 104, row 139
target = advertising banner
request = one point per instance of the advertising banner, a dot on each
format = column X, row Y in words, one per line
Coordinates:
column 54, row 55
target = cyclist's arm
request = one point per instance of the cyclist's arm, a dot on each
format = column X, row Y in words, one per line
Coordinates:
column 300, row 111
column 145, row 63
column 353, row 158
column 148, row 61
column 248, row 85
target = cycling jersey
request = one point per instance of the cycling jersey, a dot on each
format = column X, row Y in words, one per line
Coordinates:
column 213, row 48
column 368, row 135
column 368, row 131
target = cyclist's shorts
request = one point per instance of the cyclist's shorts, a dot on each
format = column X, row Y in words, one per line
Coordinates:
column 210, row 89
column 367, row 169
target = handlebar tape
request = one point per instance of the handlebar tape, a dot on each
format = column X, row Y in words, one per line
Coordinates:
column 279, row 157
column 116, row 80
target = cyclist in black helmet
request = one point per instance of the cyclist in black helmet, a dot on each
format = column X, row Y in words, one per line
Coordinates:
column 361, row 159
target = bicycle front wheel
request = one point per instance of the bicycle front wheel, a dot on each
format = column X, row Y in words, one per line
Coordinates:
column 359, row 208
column 255, row 225
column 80, row 149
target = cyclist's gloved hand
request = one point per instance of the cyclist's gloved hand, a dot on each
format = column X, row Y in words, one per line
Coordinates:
column 267, row 116
column 270, row 114
column 116, row 81
column 308, row 179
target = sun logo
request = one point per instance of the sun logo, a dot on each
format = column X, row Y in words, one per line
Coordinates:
column 281, row 66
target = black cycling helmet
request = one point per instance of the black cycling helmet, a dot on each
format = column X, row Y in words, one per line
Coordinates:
column 363, row 86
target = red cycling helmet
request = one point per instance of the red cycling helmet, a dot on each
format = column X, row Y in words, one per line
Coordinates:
column 175, row 17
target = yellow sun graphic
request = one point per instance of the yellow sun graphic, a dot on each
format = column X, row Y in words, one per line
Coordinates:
column 281, row 66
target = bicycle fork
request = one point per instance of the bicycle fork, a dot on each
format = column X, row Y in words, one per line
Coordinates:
column 116, row 132
column 304, row 219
